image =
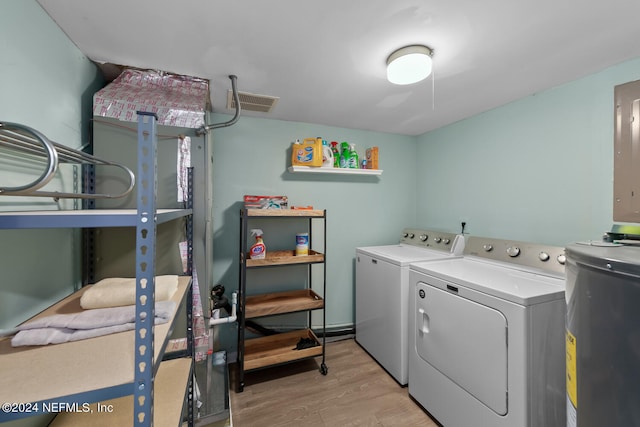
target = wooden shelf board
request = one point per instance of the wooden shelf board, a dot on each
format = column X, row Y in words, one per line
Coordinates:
column 285, row 257
column 275, row 349
column 39, row 373
column 170, row 387
column 282, row 302
column 287, row 213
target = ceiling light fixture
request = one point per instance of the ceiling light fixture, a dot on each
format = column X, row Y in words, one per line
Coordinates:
column 409, row 64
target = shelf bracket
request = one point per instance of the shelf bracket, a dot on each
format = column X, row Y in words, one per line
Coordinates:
column 145, row 270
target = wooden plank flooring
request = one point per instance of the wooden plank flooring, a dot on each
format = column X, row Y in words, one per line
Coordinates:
column 355, row 392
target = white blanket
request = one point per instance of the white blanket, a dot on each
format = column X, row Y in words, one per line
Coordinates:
column 119, row 291
column 59, row 328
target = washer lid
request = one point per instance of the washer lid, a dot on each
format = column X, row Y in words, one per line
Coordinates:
column 516, row 285
column 402, row 254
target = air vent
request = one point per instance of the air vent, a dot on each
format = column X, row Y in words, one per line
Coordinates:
column 252, row 102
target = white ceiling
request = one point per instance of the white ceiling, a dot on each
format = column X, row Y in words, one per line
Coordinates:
column 326, row 59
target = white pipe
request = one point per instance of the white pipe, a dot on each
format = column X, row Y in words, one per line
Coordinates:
column 230, row 319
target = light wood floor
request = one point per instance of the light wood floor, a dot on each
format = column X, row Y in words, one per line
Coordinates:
column 355, row 392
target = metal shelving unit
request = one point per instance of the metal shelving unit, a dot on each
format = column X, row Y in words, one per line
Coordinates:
column 281, row 348
column 67, row 375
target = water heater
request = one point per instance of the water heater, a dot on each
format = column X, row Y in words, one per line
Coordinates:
column 603, row 334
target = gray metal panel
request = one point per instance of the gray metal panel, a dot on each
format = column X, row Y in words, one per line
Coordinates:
column 526, row 254
column 115, row 250
column 626, row 165
column 202, row 162
column 116, row 141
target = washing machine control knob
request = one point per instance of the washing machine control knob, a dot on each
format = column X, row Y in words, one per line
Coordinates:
column 446, row 241
column 543, row 256
column 411, row 235
column 562, row 258
column 437, row 239
column 405, row 235
column 424, row 237
column 487, row 247
column 513, row 251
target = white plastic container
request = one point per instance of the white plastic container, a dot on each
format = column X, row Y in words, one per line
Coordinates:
column 327, row 156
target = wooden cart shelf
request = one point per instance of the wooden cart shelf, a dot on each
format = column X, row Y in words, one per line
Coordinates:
column 291, row 213
column 280, row 348
column 282, row 302
column 285, row 257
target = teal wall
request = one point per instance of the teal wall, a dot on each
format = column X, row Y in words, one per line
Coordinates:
column 252, row 156
column 47, row 84
column 539, row 169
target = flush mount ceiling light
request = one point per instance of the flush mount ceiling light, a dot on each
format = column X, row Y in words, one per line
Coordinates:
column 409, row 64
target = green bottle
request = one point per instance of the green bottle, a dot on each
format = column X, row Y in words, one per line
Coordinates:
column 353, row 157
column 345, row 155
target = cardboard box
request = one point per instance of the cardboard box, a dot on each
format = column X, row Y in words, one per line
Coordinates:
column 372, row 158
column 266, row 202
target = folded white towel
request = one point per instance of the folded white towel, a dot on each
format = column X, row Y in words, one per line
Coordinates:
column 119, row 291
column 59, row 328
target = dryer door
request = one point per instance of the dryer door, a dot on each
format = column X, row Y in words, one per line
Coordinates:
column 465, row 341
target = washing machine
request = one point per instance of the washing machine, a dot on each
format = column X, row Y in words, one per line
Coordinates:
column 487, row 335
column 382, row 293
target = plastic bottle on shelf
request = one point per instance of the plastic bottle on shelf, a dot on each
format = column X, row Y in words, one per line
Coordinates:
column 327, row 155
column 336, row 154
column 353, row 158
column 345, row 154
column 258, row 249
column 302, row 244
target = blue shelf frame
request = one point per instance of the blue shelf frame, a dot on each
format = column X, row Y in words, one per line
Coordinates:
column 145, row 269
column 145, row 218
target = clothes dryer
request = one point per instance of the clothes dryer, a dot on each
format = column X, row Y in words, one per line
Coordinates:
column 382, row 293
column 487, row 335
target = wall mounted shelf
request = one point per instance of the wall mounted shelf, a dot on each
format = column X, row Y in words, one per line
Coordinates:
column 337, row 171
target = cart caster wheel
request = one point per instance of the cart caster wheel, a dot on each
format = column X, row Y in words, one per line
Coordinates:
column 324, row 369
